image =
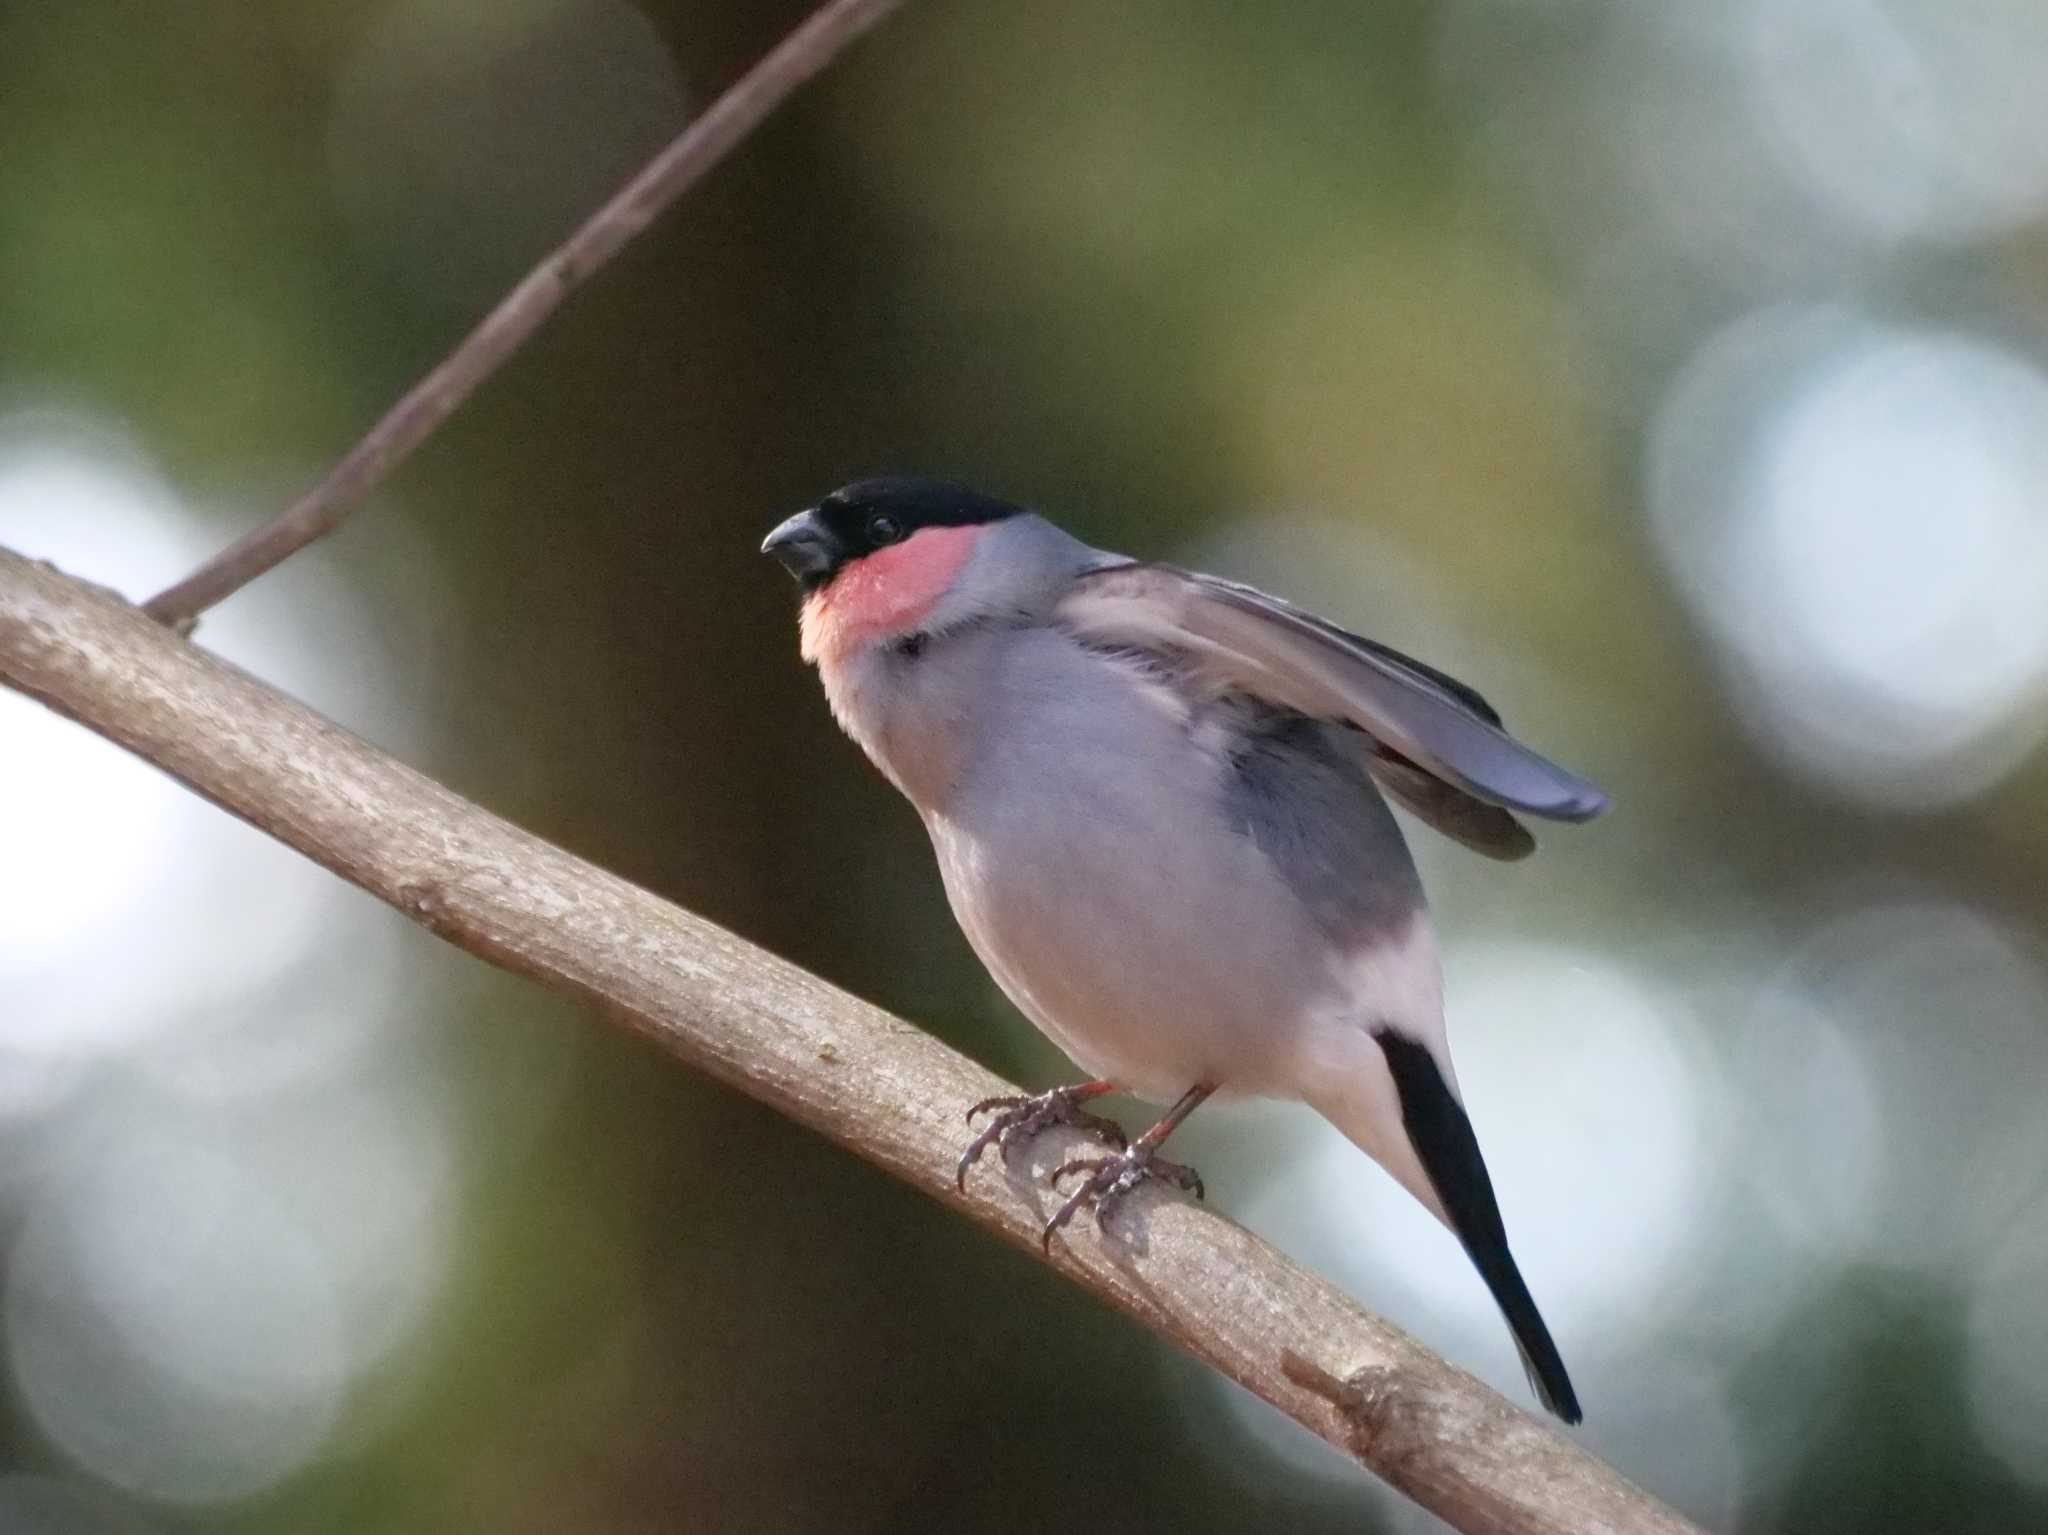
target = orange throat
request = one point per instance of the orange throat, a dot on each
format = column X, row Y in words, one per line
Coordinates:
column 883, row 595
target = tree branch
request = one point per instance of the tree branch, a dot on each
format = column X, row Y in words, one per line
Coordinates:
column 521, row 312
column 878, row 1086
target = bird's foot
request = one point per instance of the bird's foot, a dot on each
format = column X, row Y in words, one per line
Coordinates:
column 1018, row 1119
column 1110, row 1180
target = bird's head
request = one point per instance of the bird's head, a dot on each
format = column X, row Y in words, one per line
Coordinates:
column 877, row 560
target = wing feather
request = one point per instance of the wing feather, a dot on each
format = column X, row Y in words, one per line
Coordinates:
column 1249, row 640
column 1484, row 828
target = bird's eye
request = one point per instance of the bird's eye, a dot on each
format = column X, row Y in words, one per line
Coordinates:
column 884, row 530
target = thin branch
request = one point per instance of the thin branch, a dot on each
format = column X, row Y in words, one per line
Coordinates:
column 876, row 1085
column 521, row 312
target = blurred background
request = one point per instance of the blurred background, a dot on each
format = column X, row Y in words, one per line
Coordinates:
column 1677, row 374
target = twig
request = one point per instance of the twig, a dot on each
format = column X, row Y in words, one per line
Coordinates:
column 878, row 1086
column 521, row 312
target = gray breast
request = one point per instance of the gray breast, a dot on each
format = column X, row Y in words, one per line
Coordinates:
column 1164, row 882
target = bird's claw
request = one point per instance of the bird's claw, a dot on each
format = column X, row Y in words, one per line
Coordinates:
column 1020, row 1117
column 1111, row 1179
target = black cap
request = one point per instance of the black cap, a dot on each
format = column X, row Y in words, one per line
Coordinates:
column 858, row 519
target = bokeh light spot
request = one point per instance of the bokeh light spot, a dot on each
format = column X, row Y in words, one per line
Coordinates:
column 1913, row 120
column 172, row 1329
column 2008, row 1334
column 1944, row 1004
column 1859, row 515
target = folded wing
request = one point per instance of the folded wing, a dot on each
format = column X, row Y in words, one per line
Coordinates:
column 1441, row 745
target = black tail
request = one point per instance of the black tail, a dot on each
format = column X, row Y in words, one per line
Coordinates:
column 1442, row 1134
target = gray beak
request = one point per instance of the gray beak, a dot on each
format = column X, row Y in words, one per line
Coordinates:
column 806, row 548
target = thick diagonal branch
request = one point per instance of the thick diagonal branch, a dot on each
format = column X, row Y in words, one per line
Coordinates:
column 873, row 1083
column 521, row 312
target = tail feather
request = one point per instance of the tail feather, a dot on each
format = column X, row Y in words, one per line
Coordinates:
column 1441, row 1134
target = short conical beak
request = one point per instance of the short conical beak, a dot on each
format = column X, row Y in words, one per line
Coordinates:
column 806, row 548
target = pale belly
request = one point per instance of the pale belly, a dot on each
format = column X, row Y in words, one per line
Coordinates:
column 1112, row 902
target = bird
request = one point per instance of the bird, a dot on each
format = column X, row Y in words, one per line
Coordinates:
column 1159, row 805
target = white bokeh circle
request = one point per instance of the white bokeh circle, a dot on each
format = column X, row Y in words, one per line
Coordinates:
column 241, row 1185
column 1858, row 515
column 172, row 1329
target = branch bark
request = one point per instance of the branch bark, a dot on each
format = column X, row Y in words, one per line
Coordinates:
column 714, row 134
column 875, row 1084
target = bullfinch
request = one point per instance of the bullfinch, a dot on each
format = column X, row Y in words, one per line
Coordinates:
column 1159, row 804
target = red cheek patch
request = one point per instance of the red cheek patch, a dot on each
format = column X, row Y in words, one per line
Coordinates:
column 884, row 594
